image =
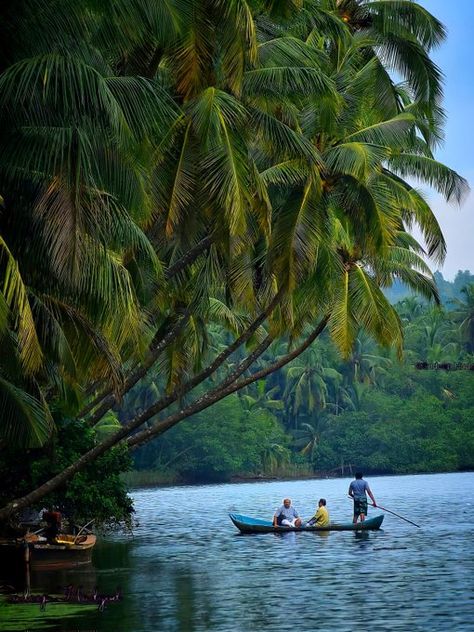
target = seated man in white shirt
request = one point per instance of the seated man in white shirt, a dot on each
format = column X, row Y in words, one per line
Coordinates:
column 286, row 515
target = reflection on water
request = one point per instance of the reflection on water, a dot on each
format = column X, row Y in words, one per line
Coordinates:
column 52, row 581
column 362, row 537
column 187, row 569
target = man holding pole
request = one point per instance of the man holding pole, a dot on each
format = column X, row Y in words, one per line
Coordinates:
column 357, row 491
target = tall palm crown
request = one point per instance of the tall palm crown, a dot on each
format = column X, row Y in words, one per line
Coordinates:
column 355, row 198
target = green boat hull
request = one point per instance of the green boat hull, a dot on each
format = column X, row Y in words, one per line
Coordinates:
column 246, row 524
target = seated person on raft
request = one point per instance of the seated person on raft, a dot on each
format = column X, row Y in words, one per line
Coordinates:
column 321, row 516
column 53, row 523
column 286, row 515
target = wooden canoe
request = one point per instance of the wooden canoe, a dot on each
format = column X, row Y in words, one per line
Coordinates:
column 65, row 551
column 246, row 524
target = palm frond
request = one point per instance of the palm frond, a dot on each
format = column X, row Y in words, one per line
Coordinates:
column 389, row 133
column 181, row 195
column 356, row 159
column 342, row 326
column 238, row 41
column 193, row 59
column 411, row 60
column 219, row 312
column 26, row 420
column 298, row 230
column 395, row 15
column 287, row 80
column 4, row 315
column 218, row 117
column 286, row 174
column 148, row 109
column 15, row 295
column 372, row 311
column 444, row 180
column 289, row 51
column 283, row 139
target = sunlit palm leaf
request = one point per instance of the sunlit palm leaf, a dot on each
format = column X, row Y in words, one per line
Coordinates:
column 342, row 326
column 26, row 421
column 441, row 178
column 388, row 133
column 15, row 295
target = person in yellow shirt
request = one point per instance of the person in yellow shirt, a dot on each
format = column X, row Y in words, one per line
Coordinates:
column 321, row 517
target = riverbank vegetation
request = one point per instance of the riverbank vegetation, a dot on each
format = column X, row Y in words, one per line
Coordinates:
column 331, row 415
column 197, row 190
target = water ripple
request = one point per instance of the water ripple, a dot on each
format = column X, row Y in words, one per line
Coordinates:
column 186, row 568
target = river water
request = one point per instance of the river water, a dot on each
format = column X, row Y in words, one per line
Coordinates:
column 186, row 568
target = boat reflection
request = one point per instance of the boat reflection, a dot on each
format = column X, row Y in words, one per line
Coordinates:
column 22, row 579
column 361, row 538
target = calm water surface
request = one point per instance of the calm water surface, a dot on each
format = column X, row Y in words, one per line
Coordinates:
column 186, row 568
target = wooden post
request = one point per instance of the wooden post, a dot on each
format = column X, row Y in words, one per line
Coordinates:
column 26, row 552
column 26, row 557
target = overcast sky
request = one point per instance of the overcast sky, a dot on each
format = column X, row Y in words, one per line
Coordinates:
column 456, row 59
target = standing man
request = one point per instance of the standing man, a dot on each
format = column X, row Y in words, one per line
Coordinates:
column 286, row 515
column 357, row 490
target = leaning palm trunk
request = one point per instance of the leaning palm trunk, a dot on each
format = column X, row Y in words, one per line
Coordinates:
column 136, row 422
column 107, row 399
column 229, row 386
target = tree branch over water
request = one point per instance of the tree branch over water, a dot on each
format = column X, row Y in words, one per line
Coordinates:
column 139, row 420
column 228, row 386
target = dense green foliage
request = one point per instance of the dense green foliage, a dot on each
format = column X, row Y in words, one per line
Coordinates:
column 405, row 430
column 97, row 493
column 214, row 446
column 369, row 411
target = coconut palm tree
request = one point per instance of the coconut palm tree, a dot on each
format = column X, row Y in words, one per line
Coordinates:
column 464, row 316
column 352, row 207
column 263, row 399
column 308, row 385
column 410, row 308
column 364, row 364
column 83, row 140
column 398, row 35
column 306, row 390
column 308, row 438
column 273, row 456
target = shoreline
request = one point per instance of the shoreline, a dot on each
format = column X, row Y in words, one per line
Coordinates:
column 239, row 479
